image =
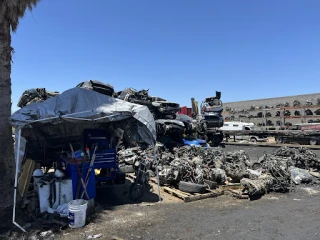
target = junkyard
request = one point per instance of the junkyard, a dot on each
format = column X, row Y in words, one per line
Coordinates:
column 124, row 120
column 89, row 170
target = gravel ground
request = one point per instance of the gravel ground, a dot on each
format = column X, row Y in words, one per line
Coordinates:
column 275, row 216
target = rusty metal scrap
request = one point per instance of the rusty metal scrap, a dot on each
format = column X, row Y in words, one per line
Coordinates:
column 277, row 167
column 236, row 165
column 35, row 95
column 302, row 157
column 259, row 186
column 197, row 165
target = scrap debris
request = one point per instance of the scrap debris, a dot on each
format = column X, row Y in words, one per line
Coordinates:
column 35, row 95
column 281, row 170
column 272, row 172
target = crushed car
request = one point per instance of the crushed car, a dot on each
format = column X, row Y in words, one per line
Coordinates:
column 97, row 86
column 35, row 95
column 211, row 118
column 159, row 107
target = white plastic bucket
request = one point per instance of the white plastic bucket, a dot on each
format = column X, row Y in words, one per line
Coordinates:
column 77, row 213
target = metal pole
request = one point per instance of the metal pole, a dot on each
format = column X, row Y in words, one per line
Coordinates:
column 41, row 120
column 74, row 118
column 70, row 114
column 62, row 116
column 16, row 182
column 157, row 171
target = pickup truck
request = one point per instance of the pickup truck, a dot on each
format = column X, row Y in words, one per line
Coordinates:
column 238, row 130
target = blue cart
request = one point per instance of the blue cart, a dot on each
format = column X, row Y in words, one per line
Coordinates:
column 106, row 157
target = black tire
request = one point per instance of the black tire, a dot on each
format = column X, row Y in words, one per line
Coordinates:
column 313, row 142
column 253, row 140
column 205, row 137
column 211, row 184
column 192, row 187
column 136, row 191
column 279, row 140
column 214, row 140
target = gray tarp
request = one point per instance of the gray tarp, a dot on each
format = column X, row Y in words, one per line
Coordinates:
column 57, row 115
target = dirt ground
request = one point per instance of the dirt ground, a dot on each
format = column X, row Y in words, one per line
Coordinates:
column 275, row 216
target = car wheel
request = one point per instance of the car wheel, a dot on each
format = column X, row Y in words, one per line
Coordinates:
column 279, row 140
column 313, row 142
column 205, row 137
column 253, row 140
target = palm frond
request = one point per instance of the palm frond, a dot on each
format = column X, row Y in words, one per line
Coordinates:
column 12, row 10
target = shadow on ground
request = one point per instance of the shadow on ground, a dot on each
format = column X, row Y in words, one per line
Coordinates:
column 110, row 196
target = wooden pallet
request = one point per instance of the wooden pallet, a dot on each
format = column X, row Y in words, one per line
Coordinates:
column 25, row 177
column 190, row 197
column 233, row 186
column 186, row 197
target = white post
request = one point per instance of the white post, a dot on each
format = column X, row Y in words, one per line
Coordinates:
column 16, row 182
column 157, row 171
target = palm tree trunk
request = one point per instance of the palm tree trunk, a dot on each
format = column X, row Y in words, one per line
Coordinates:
column 6, row 141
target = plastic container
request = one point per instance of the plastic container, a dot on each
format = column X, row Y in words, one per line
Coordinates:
column 77, row 213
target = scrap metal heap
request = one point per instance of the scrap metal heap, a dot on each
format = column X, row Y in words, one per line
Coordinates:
column 169, row 129
column 280, row 169
column 201, row 166
column 159, row 107
column 35, row 95
column 236, row 165
column 212, row 119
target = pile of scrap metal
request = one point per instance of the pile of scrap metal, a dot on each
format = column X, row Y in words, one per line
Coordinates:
column 212, row 119
column 194, row 127
column 41, row 94
column 35, row 95
column 236, row 165
column 97, row 86
column 169, row 129
column 130, row 158
column 191, row 169
column 189, row 164
column 195, row 165
column 194, row 169
column 306, row 159
column 159, row 107
column 280, row 170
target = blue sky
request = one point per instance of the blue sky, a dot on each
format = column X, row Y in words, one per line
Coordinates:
column 178, row 49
